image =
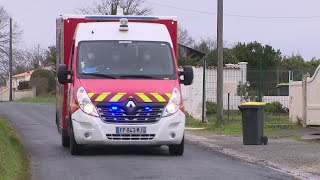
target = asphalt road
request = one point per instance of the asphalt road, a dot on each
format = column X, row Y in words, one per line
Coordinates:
column 49, row 160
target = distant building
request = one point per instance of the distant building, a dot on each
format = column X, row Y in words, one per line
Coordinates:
column 190, row 52
column 25, row 76
column 16, row 79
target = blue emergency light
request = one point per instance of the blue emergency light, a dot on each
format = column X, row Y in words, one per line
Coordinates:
column 114, row 108
column 147, row 108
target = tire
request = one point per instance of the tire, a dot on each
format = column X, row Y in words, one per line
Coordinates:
column 57, row 121
column 265, row 140
column 75, row 149
column 65, row 140
column 177, row 150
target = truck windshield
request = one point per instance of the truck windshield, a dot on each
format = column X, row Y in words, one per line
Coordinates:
column 125, row 60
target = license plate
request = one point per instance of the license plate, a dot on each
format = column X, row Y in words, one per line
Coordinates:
column 131, row 130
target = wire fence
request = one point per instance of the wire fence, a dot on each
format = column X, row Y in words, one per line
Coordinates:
column 241, row 84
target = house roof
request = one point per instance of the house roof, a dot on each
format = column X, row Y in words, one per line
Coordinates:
column 193, row 52
column 28, row 73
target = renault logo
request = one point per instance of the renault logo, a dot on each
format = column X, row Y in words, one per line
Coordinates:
column 131, row 105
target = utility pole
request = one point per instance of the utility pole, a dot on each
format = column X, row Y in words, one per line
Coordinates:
column 220, row 64
column 38, row 57
column 204, row 92
column 10, row 63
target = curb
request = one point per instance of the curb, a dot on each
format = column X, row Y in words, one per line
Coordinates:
column 198, row 141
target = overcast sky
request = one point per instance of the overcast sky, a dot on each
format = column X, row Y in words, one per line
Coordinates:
column 37, row 20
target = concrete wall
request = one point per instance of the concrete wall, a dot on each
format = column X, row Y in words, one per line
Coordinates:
column 4, row 94
column 22, row 94
column 313, row 99
column 295, row 103
column 297, row 94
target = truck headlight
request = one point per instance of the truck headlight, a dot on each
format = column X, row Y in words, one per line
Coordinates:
column 174, row 103
column 85, row 102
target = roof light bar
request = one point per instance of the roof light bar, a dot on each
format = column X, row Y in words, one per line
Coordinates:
column 101, row 18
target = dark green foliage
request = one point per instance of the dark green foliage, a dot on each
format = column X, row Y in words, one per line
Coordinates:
column 182, row 61
column 255, row 53
column 299, row 66
column 44, row 80
column 274, row 107
column 229, row 57
column 211, row 108
column 51, row 56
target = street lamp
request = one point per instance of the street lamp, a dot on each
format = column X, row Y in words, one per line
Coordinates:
column 260, row 75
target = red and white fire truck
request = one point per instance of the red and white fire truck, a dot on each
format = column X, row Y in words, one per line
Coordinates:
column 119, row 82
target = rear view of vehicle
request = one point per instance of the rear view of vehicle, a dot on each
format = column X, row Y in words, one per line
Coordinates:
column 120, row 83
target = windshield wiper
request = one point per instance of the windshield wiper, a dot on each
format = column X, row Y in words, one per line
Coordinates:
column 100, row 75
column 138, row 76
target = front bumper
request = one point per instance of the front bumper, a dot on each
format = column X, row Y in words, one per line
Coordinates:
column 92, row 130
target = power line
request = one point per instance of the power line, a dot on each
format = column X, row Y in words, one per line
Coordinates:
column 236, row 15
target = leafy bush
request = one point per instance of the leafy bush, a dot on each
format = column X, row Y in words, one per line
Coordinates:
column 211, row 108
column 44, row 81
column 274, row 107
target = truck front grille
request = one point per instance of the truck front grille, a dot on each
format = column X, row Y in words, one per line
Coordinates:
column 121, row 116
column 130, row 137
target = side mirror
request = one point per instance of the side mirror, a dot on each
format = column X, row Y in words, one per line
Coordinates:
column 187, row 74
column 63, row 74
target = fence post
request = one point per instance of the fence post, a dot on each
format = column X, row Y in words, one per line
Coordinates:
column 260, row 81
column 289, row 83
column 204, row 91
column 304, row 100
column 228, row 106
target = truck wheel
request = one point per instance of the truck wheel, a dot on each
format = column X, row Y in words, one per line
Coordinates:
column 177, row 150
column 265, row 140
column 57, row 121
column 65, row 141
column 75, row 149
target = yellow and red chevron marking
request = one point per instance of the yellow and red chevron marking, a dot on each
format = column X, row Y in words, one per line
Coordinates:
column 122, row 96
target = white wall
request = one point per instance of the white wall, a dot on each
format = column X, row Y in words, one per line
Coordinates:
column 4, row 94
column 22, row 94
column 295, row 105
column 313, row 100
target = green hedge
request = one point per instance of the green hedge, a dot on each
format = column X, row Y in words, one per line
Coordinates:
column 44, row 80
column 274, row 107
column 211, row 108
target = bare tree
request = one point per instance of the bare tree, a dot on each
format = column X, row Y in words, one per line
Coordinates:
column 35, row 57
column 206, row 45
column 104, row 7
column 4, row 44
column 184, row 38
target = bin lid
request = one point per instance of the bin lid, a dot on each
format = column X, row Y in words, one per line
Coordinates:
column 253, row 104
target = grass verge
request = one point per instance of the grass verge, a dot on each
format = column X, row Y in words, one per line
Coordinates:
column 234, row 126
column 14, row 161
column 46, row 100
